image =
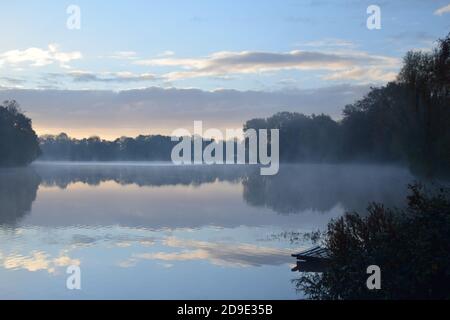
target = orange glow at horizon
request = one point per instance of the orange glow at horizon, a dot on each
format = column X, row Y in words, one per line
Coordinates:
column 110, row 134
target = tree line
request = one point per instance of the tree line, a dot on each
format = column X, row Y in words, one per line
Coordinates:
column 406, row 121
column 141, row 148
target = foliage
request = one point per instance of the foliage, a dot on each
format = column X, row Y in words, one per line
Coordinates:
column 311, row 138
column 411, row 246
column 18, row 142
column 61, row 147
column 406, row 121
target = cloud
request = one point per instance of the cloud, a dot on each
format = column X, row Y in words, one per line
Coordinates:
column 251, row 62
column 85, row 76
column 166, row 53
column 443, row 10
column 369, row 75
column 38, row 57
column 412, row 40
column 330, row 42
column 154, row 110
column 223, row 254
column 13, row 80
column 123, row 55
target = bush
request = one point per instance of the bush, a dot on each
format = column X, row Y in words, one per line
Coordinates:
column 18, row 142
column 411, row 246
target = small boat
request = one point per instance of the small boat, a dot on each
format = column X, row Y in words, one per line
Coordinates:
column 315, row 259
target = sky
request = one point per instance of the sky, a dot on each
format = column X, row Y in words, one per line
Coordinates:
column 146, row 67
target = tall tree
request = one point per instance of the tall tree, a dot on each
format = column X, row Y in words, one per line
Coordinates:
column 18, row 142
column 427, row 75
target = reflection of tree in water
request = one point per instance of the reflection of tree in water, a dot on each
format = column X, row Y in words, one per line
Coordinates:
column 18, row 188
column 297, row 188
column 141, row 175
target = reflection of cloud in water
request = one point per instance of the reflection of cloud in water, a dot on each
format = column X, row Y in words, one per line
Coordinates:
column 37, row 261
column 121, row 241
column 217, row 253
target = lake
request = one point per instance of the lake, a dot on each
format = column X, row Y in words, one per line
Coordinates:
column 158, row 231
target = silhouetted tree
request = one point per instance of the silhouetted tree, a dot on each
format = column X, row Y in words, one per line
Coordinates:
column 406, row 121
column 411, row 247
column 303, row 138
column 427, row 76
column 18, row 142
column 141, row 148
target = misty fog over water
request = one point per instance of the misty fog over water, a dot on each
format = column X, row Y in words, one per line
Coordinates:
column 163, row 231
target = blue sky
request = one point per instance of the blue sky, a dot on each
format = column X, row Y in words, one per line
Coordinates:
column 264, row 46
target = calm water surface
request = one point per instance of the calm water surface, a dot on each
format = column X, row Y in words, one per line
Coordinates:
column 156, row 231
